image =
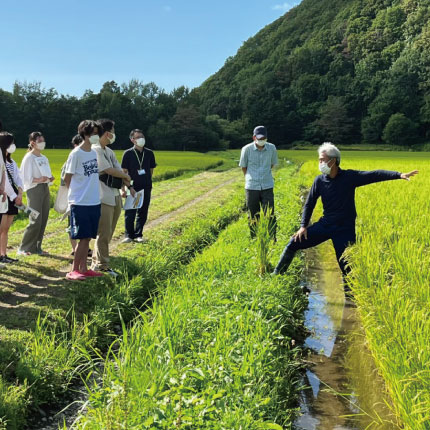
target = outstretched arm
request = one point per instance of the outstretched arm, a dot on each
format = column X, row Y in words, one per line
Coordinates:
column 370, row 177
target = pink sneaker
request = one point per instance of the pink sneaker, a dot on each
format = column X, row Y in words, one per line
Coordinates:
column 91, row 274
column 75, row 276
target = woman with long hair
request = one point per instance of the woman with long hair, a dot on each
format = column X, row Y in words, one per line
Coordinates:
column 14, row 189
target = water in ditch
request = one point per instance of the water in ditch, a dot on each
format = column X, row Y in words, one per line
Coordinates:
column 346, row 392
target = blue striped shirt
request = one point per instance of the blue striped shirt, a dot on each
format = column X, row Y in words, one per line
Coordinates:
column 258, row 165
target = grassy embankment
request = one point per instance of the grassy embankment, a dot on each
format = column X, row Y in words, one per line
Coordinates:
column 390, row 279
column 38, row 366
column 218, row 348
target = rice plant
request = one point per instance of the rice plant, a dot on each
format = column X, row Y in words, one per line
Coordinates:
column 264, row 235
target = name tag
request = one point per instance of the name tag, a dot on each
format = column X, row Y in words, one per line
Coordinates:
column 141, row 172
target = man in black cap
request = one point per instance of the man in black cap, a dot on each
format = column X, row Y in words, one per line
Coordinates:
column 256, row 160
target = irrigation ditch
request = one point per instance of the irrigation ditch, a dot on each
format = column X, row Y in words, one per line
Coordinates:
column 344, row 390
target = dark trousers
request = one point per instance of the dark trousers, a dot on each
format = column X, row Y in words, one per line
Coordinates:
column 318, row 233
column 140, row 215
column 257, row 200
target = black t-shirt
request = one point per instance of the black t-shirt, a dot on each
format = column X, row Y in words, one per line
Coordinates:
column 134, row 161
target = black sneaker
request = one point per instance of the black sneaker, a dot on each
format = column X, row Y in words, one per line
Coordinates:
column 10, row 259
column 6, row 260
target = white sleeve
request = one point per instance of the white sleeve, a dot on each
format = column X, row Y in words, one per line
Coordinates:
column 2, row 173
column 9, row 189
column 17, row 176
column 27, row 171
column 71, row 163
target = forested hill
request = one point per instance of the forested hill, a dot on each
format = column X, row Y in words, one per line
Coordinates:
column 343, row 70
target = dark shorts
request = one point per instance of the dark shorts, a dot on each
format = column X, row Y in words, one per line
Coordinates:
column 12, row 209
column 84, row 221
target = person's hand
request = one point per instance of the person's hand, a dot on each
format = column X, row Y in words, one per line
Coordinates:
column 301, row 233
column 123, row 194
column 51, row 179
column 18, row 200
column 406, row 176
column 132, row 192
column 127, row 178
column 43, row 179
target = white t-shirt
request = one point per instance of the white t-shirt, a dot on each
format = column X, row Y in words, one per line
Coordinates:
column 84, row 187
column 32, row 167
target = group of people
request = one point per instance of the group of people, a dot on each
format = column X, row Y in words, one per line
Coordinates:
column 95, row 183
column 335, row 186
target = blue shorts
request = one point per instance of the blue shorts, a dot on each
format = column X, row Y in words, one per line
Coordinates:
column 84, row 221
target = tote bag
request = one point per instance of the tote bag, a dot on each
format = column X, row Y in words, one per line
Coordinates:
column 61, row 201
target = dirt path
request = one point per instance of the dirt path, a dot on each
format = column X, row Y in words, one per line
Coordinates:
column 173, row 214
column 34, row 286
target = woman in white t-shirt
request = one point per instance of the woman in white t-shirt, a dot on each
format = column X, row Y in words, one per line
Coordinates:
column 36, row 175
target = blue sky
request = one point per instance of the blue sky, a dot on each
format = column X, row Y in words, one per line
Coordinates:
column 74, row 45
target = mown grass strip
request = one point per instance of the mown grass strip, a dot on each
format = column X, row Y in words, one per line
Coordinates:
column 218, row 348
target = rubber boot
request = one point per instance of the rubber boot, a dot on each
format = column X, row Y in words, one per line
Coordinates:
column 284, row 262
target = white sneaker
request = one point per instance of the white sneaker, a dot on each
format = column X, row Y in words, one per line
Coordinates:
column 139, row 240
column 110, row 272
column 127, row 240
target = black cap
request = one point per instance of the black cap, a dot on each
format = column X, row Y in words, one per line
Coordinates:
column 260, row 132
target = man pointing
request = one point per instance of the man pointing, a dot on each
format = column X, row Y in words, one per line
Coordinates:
column 336, row 187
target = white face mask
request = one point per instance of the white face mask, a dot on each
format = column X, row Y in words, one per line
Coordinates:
column 40, row 146
column 112, row 139
column 95, row 139
column 11, row 149
column 324, row 169
column 140, row 142
column 261, row 142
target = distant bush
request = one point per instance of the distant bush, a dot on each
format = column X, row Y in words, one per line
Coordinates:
column 400, row 130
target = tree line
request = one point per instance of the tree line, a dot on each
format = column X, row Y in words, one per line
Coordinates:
column 349, row 71
column 170, row 121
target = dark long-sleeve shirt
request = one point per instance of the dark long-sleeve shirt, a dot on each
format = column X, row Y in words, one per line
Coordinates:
column 338, row 195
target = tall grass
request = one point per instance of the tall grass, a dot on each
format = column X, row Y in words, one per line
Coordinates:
column 39, row 367
column 216, row 348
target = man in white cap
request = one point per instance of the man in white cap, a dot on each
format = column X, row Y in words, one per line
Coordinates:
column 257, row 160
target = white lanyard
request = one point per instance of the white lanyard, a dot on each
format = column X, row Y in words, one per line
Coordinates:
column 140, row 161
